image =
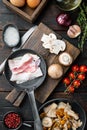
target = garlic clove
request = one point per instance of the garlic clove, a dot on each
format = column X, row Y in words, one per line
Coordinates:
column 74, row 31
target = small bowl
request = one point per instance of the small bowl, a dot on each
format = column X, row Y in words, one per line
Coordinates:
column 13, row 38
column 75, row 107
column 10, row 112
column 68, row 5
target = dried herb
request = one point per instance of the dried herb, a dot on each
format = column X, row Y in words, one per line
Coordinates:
column 82, row 21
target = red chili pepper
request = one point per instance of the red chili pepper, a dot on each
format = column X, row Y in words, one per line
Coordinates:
column 12, row 120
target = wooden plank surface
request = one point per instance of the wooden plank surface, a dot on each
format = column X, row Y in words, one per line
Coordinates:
column 35, row 43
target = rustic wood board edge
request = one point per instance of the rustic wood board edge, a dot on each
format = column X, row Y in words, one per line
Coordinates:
column 43, row 92
column 23, row 14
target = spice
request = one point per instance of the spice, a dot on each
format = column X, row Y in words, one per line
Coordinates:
column 11, row 36
column 12, row 120
column 82, row 21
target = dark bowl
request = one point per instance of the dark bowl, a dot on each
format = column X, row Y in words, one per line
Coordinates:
column 5, row 123
column 68, row 5
column 75, row 107
column 3, row 35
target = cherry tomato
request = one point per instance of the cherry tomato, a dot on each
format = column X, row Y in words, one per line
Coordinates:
column 71, row 89
column 83, row 68
column 81, row 76
column 66, row 81
column 75, row 68
column 72, row 75
column 76, row 83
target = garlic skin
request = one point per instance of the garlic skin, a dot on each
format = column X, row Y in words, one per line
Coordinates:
column 18, row 3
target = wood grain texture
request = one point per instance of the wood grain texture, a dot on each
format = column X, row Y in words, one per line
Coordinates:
column 19, row 99
column 35, row 43
column 15, row 97
column 26, row 12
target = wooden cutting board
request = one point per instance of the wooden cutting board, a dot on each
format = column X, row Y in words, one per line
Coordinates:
column 34, row 43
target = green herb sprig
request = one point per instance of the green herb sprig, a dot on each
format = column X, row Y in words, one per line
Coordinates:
column 82, row 21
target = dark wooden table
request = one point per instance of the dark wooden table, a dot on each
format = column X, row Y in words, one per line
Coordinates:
column 48, row 17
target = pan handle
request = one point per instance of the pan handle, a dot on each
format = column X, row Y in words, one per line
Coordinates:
column 37, row 122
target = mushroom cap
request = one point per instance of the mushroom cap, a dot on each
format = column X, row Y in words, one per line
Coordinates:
column 55, row 71
column 65, row 59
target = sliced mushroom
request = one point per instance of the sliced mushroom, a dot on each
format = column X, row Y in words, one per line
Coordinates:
column 50, row 107
column 51, row 110
column 72, row 114
column 47, row 122
column 56, row 128
column 52, row 43
column 52, row 113
column 52, row 36
column 46, row 45
column 62, row 105
column 79, row 123
column 45, row 38
column 60, row 44
column 57, row 46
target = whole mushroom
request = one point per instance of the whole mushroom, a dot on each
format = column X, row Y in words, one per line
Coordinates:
column 55, row 71
column 65, row 59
